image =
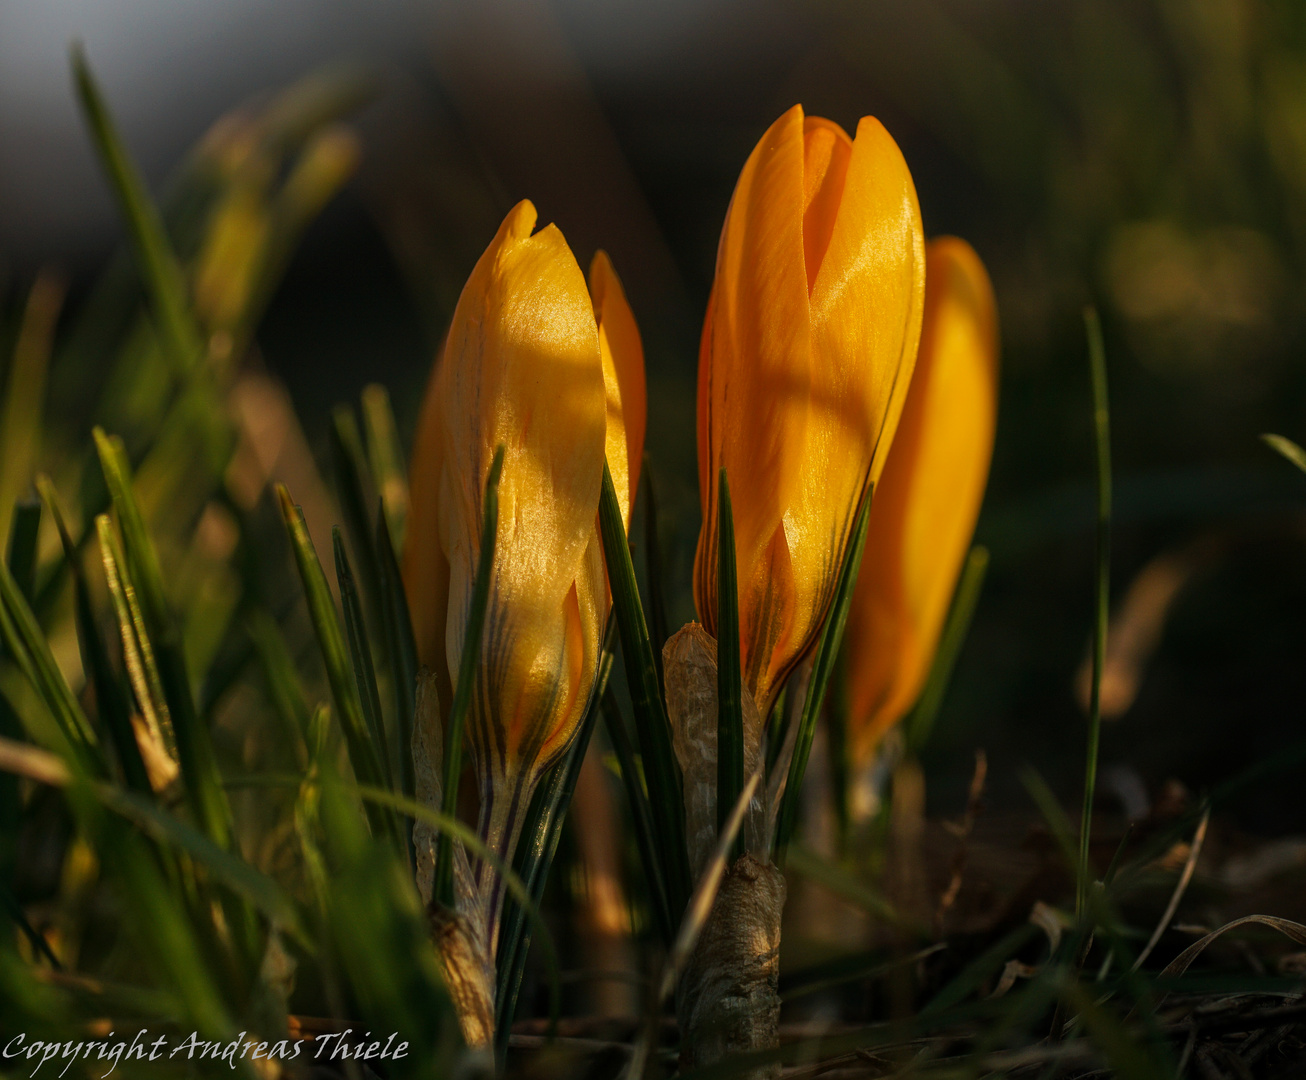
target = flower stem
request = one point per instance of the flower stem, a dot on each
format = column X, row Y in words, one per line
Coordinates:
column 1101, row 608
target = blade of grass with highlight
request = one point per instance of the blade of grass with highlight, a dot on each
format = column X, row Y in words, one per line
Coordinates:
column 360, row 653
column 1102, row 594
column 331, row 645
column 730, row 709
column 402, row 649
column 651, row 724
column 161, row 274
column 141, row 568
column 141, row 563
column 541, row 833
column 137, row 652
column 641, row 819
column 111, row 700
column 921, row 721
column 462, row 694
column 827, row 651
column 386, row 456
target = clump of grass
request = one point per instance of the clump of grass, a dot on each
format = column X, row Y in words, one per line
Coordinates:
column 198, row 888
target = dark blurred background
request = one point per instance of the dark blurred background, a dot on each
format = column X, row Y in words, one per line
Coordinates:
column 1146, row 156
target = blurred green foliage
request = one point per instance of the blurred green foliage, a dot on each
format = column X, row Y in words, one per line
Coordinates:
column 156, row 674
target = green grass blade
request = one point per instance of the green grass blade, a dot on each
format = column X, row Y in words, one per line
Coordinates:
column 142, row 562
column 261, row 891
column 29, row 647
column 979, row 970
column 1102, row 594
column 160, row 271
column 921, row 721
column 164, row 930
column 331, row 644
column 1287, row 448
column 111, row 701
column 836, row 730
column 194, row 748
column 22, row 564
column 22, row 403
column 652, row 726
column 285, row 692
column 386, row 455
column 137, row 652
column 403, row 652
column 380, row 936
column 542, row 832
column 827, row 651
column 653, row 565
column 514, row 886
column 730, row 710
column 641, row 817
column 352, row 483
column 445, row 824
column 462, row 694
column 24, row 526
column 360, row 653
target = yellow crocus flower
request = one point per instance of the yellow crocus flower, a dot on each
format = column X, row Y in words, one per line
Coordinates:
column 533, row 364
column 926, row 504
column 807, row 351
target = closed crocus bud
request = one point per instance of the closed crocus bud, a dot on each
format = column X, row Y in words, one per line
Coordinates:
column 533, row 364
column 807, row 351
column 926, row 503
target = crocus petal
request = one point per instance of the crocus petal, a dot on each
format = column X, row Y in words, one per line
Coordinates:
column 867, row 303
column 754, row 376
column 928, row 499
column 868, row 298
column 623, row 375
column 807, row 349
column 522, row 369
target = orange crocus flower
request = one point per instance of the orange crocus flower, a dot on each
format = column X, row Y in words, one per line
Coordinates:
column 807, row 351
column 533, row 363
column 927, row 501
